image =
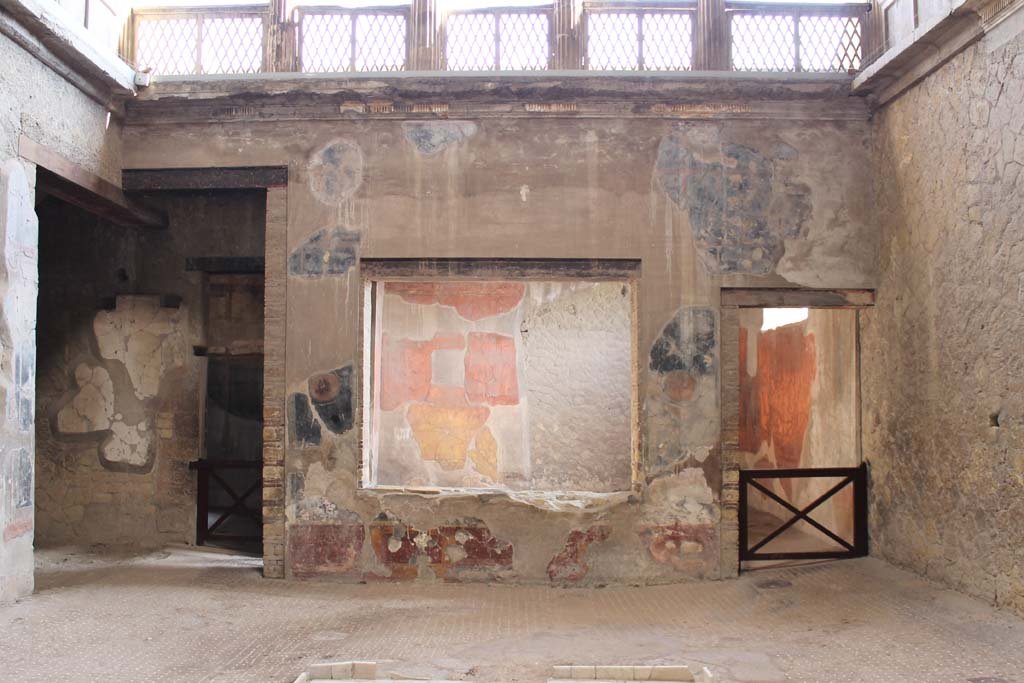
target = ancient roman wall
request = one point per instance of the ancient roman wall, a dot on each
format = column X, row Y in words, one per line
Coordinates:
column 942, row 369
column 120, row 389
column 35, row 102
column 695, row 202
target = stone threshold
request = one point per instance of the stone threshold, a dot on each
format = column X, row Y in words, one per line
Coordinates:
column 569, row 673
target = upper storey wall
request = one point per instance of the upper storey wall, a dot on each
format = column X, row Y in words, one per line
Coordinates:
column 764, row 178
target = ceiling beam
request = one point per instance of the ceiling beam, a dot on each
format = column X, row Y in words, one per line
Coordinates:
column 241, row 178
column 797, row 298
column 70, row 182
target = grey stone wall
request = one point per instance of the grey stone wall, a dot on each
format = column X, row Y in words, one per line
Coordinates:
column 943, row 375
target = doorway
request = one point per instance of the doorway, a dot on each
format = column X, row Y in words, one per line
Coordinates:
column 796, row 402
column 229, row 474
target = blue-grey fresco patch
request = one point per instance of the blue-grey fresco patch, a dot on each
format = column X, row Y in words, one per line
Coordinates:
column 324, row 253
column 331, row 394
column 23, row 480
column 742, row 204
column 24, row 387
column 686, row 343
column 296, row 485
column 303, row 429
column 336, row 171
column 431, row 137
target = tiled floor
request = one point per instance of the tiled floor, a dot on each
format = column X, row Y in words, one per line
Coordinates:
column 189, row 616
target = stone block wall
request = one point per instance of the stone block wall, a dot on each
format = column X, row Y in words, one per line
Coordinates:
column 943, row 376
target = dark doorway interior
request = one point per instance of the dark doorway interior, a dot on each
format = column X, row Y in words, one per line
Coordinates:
column 229, row 505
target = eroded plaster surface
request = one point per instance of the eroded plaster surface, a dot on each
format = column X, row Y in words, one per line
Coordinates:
column 743, row 203
column 145, row 337
column 943, row 427
column 140, row 341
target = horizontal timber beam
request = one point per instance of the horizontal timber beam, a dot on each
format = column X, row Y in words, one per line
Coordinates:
column 70, row 182
column 241, row 178
column 796, row 298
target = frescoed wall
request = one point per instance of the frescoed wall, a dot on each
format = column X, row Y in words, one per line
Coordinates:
column 518, row 385
column 505, row 405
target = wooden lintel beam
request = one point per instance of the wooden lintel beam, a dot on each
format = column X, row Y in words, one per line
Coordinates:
column 72, row 183
column 797, row 298
column 241, row 178
column 222, row 265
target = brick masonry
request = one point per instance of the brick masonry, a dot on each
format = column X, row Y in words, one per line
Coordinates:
column 274, row 326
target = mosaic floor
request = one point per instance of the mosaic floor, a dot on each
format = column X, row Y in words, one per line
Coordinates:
column 182, row 615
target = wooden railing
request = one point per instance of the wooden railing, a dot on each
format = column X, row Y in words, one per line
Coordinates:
column 238, row 512
column 854, row 478
column 682, row 35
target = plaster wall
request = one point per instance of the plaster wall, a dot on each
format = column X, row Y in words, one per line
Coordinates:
column 942, row 388
column 31, row 97
column 694, row 201
column 119, row 387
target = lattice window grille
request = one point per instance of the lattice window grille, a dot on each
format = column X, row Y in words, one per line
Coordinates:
column 470, row 41
column 830, row 43
column 613, row 41
column 189, row 45
column 327, row 44
column 168, row 46
column 231, row 45
column 763, row 42
column 632, row 41
column 667, row 41
column 498, row 41
column 524, row 41
column 380, row 42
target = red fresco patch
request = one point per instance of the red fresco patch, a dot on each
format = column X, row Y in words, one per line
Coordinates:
column 18, row 527
column 478, row 547
column 406, row 367
column 491, row 369
column 449, row 549
column 570, row 564
column 447, row 396
column 324, row 549
column 775, row 404
column 472, row 300
column 685, row 547
column 398, row 557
